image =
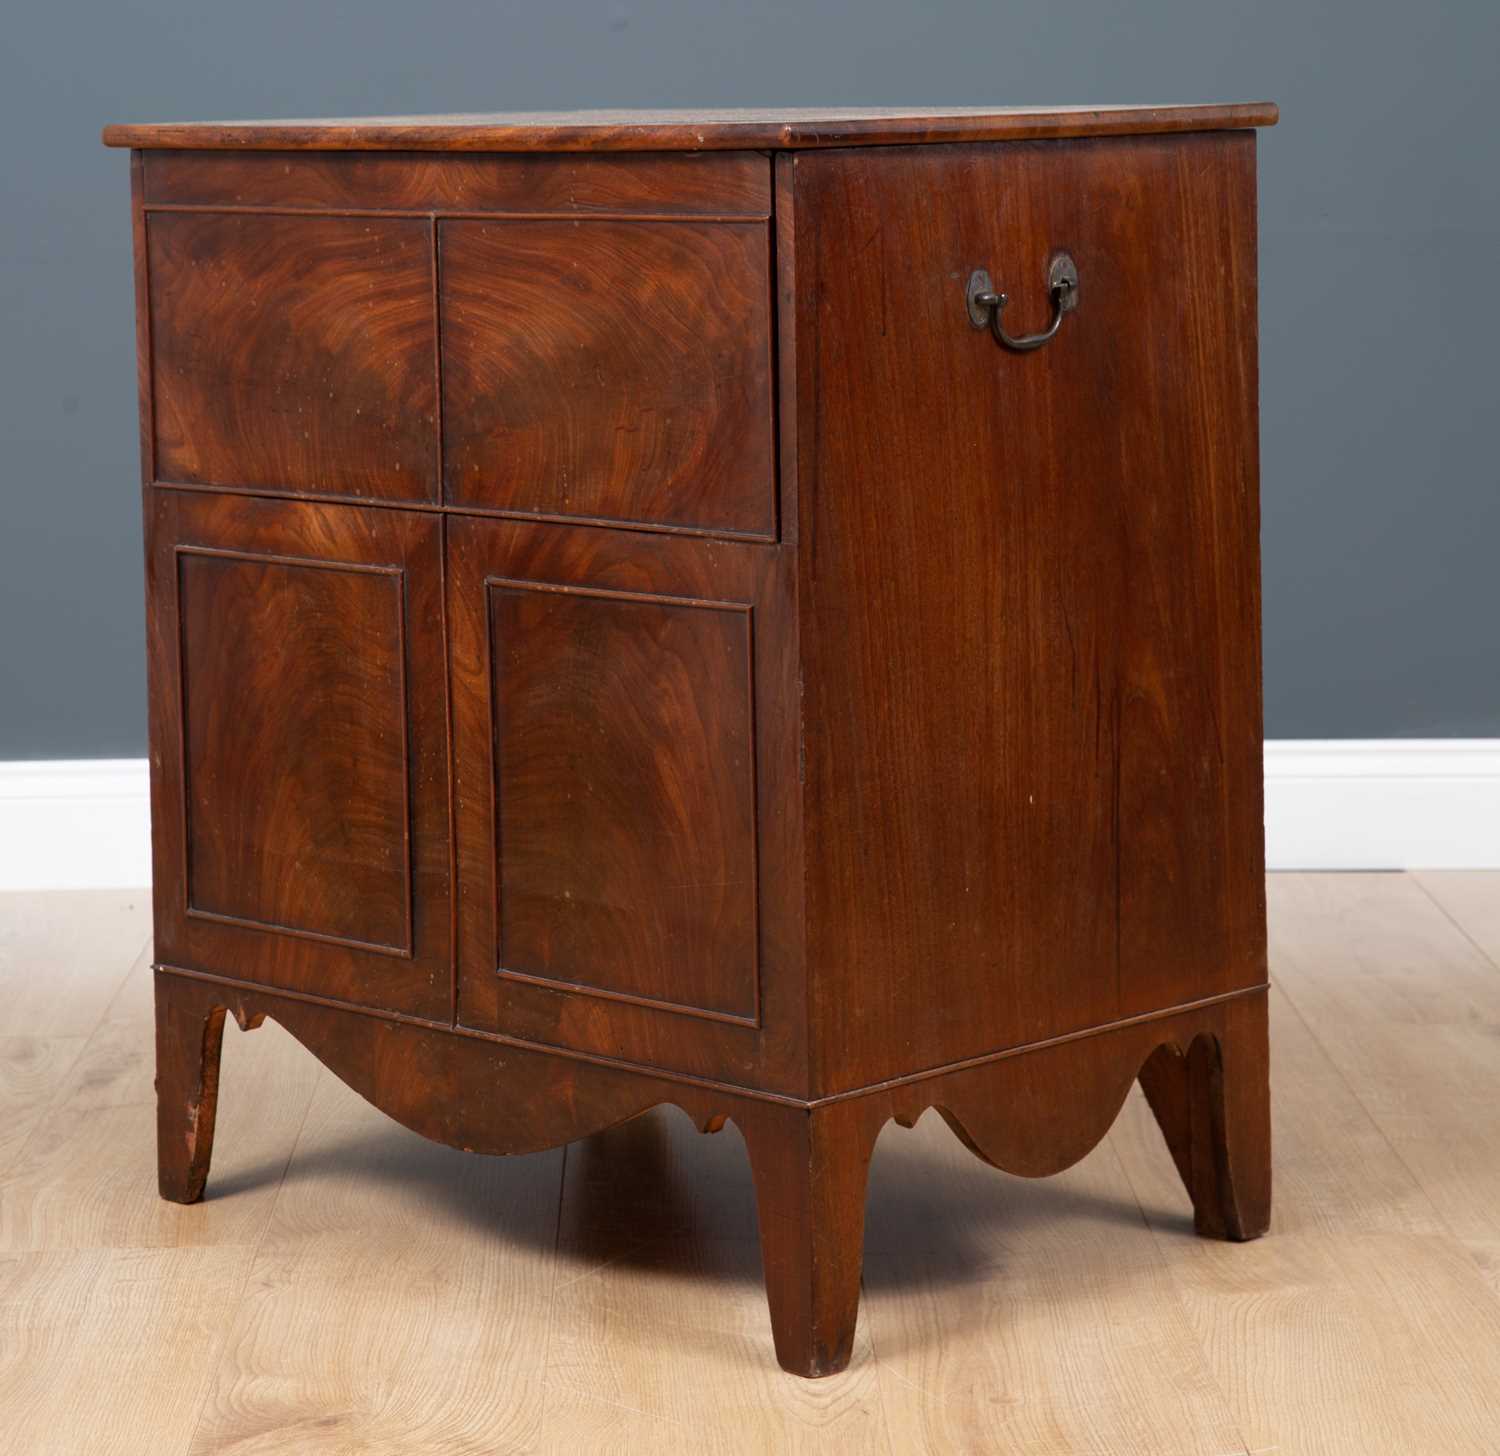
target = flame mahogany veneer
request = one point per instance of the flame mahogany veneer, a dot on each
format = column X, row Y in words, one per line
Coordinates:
column 621, row 634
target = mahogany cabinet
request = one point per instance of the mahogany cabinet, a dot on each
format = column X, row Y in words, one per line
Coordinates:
column 757, row 611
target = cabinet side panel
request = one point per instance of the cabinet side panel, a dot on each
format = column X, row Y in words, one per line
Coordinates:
column 1191, row 819
column 1029, row 594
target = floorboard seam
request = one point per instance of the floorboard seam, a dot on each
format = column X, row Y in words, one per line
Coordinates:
column 1177, row 1299
column 1417, row 1181
column 552, row 1289
column 211, row 1369
column 84, row 1043
column 1359, row 1102
column 1456, row 923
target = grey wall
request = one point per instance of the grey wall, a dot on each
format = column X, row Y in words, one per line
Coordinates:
column 1380, row 222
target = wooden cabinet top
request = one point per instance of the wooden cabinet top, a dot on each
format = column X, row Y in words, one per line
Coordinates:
column 773, row 129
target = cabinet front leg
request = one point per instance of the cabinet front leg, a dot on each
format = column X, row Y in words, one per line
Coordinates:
column 189, row 1035
column 811, row 1168
column 1214, row 1108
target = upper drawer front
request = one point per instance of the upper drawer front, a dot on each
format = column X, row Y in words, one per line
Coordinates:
column 294, row 353
column 612, row 369
column 574, row 336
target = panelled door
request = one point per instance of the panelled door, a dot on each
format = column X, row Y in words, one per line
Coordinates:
column 299, row 775
column 624, row 739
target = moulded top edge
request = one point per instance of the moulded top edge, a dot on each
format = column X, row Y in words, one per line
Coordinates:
column 716, row 130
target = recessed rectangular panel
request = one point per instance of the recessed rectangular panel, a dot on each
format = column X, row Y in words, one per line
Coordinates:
column 625, row 784
column 609, row 370
column 294, row 353
column 295, row 746
column 299, row 782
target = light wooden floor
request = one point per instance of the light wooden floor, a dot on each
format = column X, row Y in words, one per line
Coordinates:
column 347, row 1287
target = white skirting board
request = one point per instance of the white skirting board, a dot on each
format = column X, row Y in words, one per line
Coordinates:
column 1331, row 804
column 74, row 824
column 1383, row 804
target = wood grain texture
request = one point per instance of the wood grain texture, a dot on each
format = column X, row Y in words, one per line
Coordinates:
column 108, row 1349
column 469, row 1092
column 1059, row 1129
column 625, row 839
column 810, row 1179
column 659, row 1306
column 60, row 967
column 294, row 353
column 1407, row 1007
column 1212, row 1102
column 1030, row 623
column 617, row 370
column 592, row 775
column 688, row 183
column 1366, row 1312
column 444, row 1352
column 300, row 792
column 693, row 131
column 63, row 958
column 189, row 1042
column 84, row 1179
column 32, row 1070
column 297, row 799
column 1074, row 1344
column 1070, row 1092
column 1468, row 898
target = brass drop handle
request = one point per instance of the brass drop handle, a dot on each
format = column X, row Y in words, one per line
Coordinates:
column 987, row 305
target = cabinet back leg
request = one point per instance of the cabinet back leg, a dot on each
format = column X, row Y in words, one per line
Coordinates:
column 189, row 1036
column 1213, row 1105
column 811, row 1169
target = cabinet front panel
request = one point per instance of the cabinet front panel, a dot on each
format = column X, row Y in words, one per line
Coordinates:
column 625, row 748
column 609, row 370
column 299, row 775
column 294, row 353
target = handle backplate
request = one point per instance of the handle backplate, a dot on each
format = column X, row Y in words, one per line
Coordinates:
column 986, row 304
